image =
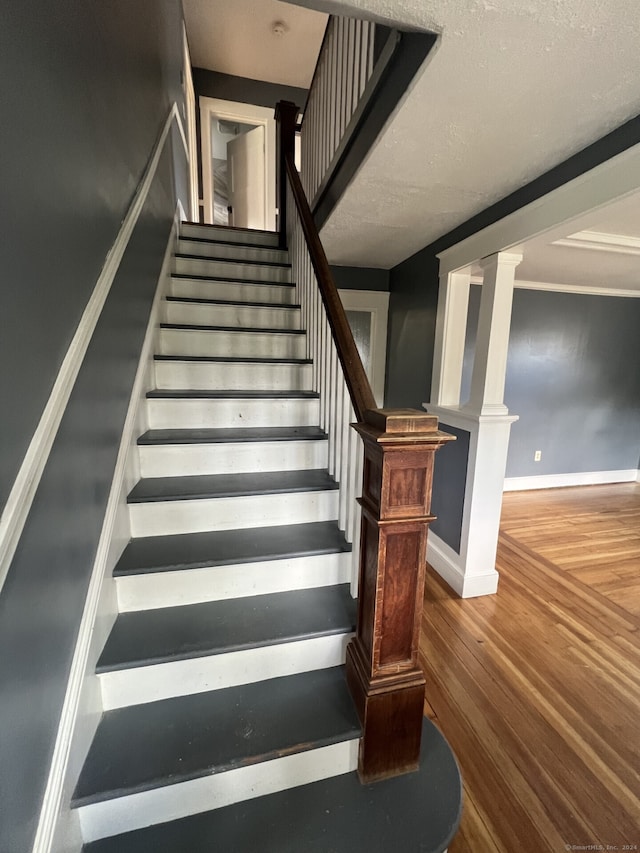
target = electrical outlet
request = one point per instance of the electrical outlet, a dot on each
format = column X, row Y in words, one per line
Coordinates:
column 537, row 456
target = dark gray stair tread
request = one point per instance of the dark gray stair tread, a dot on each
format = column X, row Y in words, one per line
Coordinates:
column 232, row 279
column 210, row 226
column 230, row 547
column 415, row 812
column 242, row 261
column 231, row 434
column 160, row 743
column 216, row 627
column 226, row 359
column 228, row 302
column 195, row 328
column 230, row 485
column 231, row 243
column 162, row 393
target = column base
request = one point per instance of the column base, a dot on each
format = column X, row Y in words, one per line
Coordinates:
column 390, row 710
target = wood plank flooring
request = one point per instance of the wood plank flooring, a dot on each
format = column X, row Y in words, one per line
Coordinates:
column 537, row 689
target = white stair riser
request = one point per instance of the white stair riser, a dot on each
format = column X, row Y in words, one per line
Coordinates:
column 229, row 235
column 235, row 252
column 143, row 684
column 159, row 805
column 233, row 344
column 161, row 518
column 216, row 583
column 203, row 413
column 230, row 269
column 194, row 288
column 182, row 460
column 230, row 376
column 238, row 316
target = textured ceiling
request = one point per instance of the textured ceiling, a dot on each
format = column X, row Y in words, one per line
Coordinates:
column 576, row 266
column 237, row 38
column 512, row 88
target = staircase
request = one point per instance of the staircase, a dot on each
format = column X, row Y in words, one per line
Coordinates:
column 226, row 712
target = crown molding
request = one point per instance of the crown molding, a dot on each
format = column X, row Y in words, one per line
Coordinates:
column 599, row 241
column 585, row 289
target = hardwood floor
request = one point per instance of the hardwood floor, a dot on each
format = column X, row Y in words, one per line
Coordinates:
column 537, row 689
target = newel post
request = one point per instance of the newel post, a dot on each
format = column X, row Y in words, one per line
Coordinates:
column 286, row 116
column 383, row 671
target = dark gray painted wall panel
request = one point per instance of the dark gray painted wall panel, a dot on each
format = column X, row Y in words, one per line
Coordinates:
column 412, row 319
column 43, row 597
column 360, row 278
column 227, row 87
column 449, row 484
column 84, row 89
column 573, row 377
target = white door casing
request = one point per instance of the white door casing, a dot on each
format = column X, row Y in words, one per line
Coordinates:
column 243, row 114
column 190, row 121
column 375, row 303
column 246, row 170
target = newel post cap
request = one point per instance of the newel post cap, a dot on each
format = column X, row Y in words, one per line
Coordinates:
column 402, row 425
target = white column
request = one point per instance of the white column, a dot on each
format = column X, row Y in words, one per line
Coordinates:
column 492, row 341
column 471, row 570
column 451, row 326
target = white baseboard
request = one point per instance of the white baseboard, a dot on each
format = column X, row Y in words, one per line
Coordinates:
column 83, row 705
column 580, row 478
column 448, row 565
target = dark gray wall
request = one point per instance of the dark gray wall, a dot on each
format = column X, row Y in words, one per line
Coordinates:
column 360, row 278
column 214, row 84
column 86, row 88
column 413, row 306
column 573, row 379
column 449, row 484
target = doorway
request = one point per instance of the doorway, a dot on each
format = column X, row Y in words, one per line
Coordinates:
column 238, row 164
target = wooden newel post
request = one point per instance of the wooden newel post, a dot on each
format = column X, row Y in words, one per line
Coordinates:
column 286, row 116
column 383, row 671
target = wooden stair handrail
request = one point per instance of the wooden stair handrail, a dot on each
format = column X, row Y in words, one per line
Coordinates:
column 357, row 382
column 382, row 665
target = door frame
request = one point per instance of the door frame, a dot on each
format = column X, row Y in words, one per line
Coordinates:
column 245, row 114
column 190, row 121
column 376, row 303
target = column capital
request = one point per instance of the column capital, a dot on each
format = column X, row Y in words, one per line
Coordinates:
column 506, row 259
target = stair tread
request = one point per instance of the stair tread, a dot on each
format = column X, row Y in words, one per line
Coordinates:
column 230, row 547
column 215, row 227
column 234, row 302
column 215, row 627
column 232, row 244
column 164, row 393
column 225, row 359
column 235, row 329
column 160, row 743
column 201, row 486
column 232, row 280
column 231, row 434
column 242, row 261
column 417, row 811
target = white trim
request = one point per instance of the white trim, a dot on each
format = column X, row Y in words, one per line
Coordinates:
column 445, row 561
column 611, row 181
column 582, row 289
column 247, row 114
column 579, row 478
column 599, row 241
column 376, row 303
column 24, row 488
column 190, row 118
column 36, row 458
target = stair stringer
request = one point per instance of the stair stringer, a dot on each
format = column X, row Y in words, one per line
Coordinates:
column 83, row 701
